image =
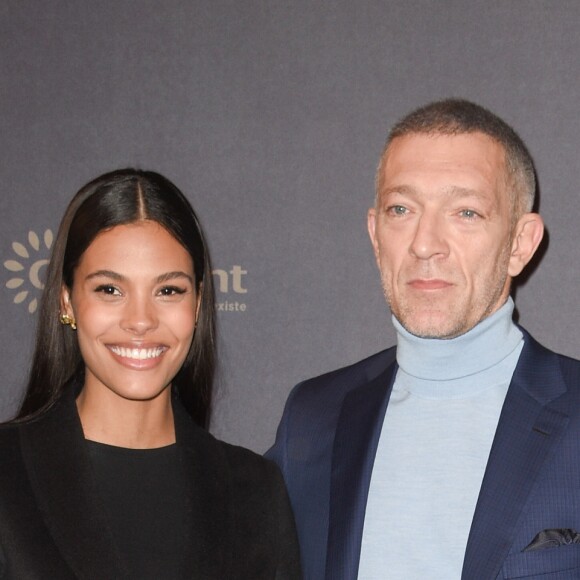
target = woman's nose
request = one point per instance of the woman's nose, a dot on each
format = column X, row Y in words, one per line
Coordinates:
column 139, row 315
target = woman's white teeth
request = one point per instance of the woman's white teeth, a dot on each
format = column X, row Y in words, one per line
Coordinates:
column 137, row 353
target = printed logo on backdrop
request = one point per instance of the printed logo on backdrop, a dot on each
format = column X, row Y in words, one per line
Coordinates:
column 27, row 261
column 230, row 288
column 26, row 265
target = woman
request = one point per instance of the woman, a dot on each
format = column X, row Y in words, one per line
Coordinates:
column 107, row 471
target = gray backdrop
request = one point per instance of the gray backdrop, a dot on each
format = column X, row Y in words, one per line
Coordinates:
column 271, row 116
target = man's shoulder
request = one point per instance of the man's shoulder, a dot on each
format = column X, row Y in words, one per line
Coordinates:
column 539, row 354
column 367, row 369
column 570, row 368
column 334, row 385
column 314, row 406
column 547, row 375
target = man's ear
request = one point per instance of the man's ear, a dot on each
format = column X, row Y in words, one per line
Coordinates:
column 528, row 234
column 372, row 227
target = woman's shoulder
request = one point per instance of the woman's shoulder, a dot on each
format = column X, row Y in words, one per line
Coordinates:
column 245, row 463
column 11, row 456
column 9, row 434
column 239, row 461
column 245, row 459
column 9, row 448
column 253, row 496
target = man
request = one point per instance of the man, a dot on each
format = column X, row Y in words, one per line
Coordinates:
column 457, row 453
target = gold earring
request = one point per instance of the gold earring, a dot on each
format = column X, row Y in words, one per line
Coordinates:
column 66, row 320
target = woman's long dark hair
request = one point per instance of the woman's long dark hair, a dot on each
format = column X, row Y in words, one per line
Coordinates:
column 117, row 198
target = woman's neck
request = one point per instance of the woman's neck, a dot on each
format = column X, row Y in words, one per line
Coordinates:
column 108, row 418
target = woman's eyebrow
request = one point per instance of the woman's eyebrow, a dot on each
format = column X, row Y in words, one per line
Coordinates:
column 120, row 278
column 174, row 275
column 105, row 274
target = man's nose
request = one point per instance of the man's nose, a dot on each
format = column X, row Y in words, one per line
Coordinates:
column 429, row 239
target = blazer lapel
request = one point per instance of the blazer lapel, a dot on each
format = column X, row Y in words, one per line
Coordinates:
column 209, row 502
column 64, row 485
column 532, row 421
column 355, row 445
column 62, row 480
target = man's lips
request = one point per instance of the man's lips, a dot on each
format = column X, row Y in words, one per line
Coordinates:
column 430, row 284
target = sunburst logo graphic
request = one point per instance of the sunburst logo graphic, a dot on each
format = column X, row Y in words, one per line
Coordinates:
column 27, row 266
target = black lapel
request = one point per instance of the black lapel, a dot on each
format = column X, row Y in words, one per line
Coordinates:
column 355, row 445
column 532, row 421
column 209, row 502
column 64, row 485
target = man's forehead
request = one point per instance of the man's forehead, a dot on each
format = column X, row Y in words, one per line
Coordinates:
column 451, row 191
column 466, row 152
column 434, row 142
column 466, row 165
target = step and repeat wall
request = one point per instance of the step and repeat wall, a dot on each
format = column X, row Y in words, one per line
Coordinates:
column 270, row 116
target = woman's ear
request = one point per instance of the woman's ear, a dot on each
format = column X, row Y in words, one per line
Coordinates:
column 198, row 299
column 65, row 302
column 528, row 234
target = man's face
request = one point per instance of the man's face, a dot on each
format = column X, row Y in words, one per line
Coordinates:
column 441, row 232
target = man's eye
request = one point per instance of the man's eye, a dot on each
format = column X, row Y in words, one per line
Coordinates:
column 397, row 210
column 469, row 214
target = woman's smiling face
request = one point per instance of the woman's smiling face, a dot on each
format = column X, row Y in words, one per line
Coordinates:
column 135, row 303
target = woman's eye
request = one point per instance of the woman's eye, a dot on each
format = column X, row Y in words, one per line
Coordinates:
column 171, row 291
column 108, row 290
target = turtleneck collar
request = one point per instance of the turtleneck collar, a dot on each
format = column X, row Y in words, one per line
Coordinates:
column 484, row 346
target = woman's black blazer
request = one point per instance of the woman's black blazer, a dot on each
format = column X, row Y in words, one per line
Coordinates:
column 53, row 523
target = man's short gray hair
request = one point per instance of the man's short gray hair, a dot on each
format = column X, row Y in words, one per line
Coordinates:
column 459, row 116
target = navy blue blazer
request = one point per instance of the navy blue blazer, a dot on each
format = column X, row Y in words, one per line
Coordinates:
column 327, row 441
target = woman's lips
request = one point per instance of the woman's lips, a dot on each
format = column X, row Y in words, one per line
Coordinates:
column 137, row 353
column 137, row 357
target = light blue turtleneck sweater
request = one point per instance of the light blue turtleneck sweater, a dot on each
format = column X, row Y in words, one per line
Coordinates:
column 433, row 449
